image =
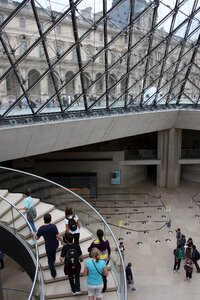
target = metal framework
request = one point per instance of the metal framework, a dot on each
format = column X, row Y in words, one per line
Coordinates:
column 143, row 54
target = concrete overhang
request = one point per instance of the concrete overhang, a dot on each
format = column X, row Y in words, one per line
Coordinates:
column 32, row 139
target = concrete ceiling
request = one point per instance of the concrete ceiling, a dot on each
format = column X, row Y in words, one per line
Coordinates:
column 27, row 140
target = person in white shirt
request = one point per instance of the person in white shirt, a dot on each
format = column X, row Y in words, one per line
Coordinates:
column 72, row 224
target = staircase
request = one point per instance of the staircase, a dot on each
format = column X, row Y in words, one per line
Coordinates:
column 58, row 288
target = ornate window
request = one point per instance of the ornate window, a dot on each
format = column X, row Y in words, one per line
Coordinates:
column 22, row 23
column 58, row 29
column 23, row 46
column 41, row 51
column 1, row 18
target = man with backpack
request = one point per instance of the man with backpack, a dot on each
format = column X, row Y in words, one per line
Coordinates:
column 71, row 254
column 177, row 258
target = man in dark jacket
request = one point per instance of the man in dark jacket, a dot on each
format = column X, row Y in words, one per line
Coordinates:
column 129, row 277
column 195, row 257
column 72, row 255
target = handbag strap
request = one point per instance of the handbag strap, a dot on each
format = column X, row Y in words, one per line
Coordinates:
column 97, row 268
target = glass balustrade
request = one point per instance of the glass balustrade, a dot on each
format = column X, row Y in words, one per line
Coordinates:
column 14, row 222
column 60, row 197
column 140, row 154
column 190, row 153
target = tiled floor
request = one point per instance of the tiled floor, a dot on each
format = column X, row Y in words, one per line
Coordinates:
column 153, row 262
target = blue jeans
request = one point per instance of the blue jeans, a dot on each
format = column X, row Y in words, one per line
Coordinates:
column 32, row 226
column 51, row 255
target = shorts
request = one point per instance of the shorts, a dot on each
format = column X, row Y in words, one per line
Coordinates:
column 95, row 290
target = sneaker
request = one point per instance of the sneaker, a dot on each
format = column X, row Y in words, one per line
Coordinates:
column 178, row 271
column 78, row 292
column 174, row 271
column 73, row 293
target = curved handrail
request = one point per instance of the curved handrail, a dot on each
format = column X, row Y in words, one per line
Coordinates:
column 122, row 271
column 35, row 244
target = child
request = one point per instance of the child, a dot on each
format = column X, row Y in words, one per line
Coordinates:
column 122, row 249
column 177, row 258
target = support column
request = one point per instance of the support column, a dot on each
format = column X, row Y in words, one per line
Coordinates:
column 163, row 141
column 174, row 153
column 169, row 152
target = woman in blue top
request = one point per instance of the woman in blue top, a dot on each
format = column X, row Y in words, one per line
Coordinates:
column 94, row 269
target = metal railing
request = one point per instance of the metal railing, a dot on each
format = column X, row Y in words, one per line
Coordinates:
column 190, row 153
column 140, row 154
column 53, row 193
column 10, row 212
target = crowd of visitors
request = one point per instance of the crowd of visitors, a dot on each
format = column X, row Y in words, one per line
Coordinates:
column 185, row 250
column 95, row 267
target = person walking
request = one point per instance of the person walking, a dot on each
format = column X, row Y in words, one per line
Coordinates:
column 195, row 257
column 177, row 258
column 94, row 268
column 188, row 268
column 188, row 247
column 178, row 236
column 72, row 224
column 29, row 209
column 51, row 237
column 129, row 277
column 122, row 249
column 183, row 242
column 105, row 251
column 71, row 254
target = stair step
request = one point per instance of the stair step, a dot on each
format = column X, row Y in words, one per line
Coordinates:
column 85, row 240
column 41, row 208
column 60, row 272
column 43, row 259
column 12, row 198
column 109, row 295
column 57, row 289
column 10, row 215
column 3, row 193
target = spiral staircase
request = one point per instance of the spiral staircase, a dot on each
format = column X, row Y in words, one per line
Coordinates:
column 58, row 288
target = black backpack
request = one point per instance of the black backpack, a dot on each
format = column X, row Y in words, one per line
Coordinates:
column 72, row 223
column 71, row 258
column 197, row 255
